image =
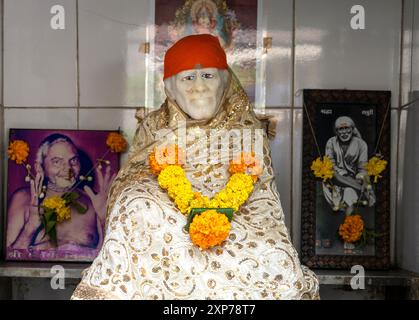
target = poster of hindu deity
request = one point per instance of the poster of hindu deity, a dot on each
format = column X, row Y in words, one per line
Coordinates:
column 233, row 21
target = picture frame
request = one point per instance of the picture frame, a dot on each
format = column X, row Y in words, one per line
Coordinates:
column 58, row 162
column 234, row 23
column 325, row 205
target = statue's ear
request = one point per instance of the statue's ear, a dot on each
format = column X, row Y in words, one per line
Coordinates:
column 169, row 87
column 224, row 74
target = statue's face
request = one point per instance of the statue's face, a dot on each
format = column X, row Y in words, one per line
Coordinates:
column 198, row 92
column 345, row 133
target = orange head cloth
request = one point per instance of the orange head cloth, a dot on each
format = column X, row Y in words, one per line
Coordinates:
column 189, row 52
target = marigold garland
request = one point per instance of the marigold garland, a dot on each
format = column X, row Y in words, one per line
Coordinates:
column 18, row 151
column 352, row 228
column 172, row 177
column 323, row 168
column 116, row 142
column 209, row 229
column 375, row 167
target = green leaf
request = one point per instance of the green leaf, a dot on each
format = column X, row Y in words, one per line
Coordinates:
column 53, row 236
column 69, row 197
column 50, row 225
column 79, row 207
column 44, row 224
column 50, row 215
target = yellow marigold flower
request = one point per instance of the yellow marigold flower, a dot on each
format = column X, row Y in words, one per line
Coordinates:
column 214, row 203
column 375, row 166
column 18, row 151
column 323, row 168
column 182, row 202
column 352, row 228
column 63, row 213
column 178, row 189
column 58, row 204
column 171, row 175
column 240, row 183
column 200, row 201
column 116, row 142
column 209, row 229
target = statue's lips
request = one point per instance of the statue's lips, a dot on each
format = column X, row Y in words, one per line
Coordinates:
column 200, row 99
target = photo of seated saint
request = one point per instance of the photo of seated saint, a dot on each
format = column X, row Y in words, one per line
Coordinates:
column 59, row 164
column 349, row 155
column 146, row 253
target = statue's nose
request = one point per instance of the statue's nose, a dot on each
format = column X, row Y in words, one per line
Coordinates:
column 200, row 85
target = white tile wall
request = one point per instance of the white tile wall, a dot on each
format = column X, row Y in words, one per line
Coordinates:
column 277, row 23
column 281, row 159
column 112, row 70
column 296, row 177
column 415, row 48
column 408, row 217
column 40, row 118
column 39, row 62
column 330, row 55
column 407, row 49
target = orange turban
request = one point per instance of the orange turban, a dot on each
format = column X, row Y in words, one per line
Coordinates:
column 202, row 49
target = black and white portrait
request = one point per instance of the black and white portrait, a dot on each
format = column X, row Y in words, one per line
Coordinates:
column 347, row 136
column 349, row 155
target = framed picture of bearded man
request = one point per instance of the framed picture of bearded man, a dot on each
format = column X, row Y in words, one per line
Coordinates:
column 345, row 207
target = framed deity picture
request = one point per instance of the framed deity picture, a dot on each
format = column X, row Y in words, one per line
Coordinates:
column 345, row 207
column 234, row 22
column 57, row 188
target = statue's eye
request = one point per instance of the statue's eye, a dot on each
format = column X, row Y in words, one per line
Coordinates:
column 188, row 78
column 207, row 76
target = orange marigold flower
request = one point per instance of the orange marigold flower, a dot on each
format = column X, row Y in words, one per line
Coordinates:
column 352, row 228
column 18, row 151
column 116, row 142
column 209, row 229
column 246, row 163
column 164, row 156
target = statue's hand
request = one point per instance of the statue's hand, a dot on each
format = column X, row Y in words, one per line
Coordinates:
column 99, row 199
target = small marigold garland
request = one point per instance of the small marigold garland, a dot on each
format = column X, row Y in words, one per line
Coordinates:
column 210, row 227
column 352, row 228
column 18, row 151
column 116, row 142
column 322, row 169
column 375, row 166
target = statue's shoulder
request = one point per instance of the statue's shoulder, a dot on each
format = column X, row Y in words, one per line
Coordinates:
column 154, row 119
